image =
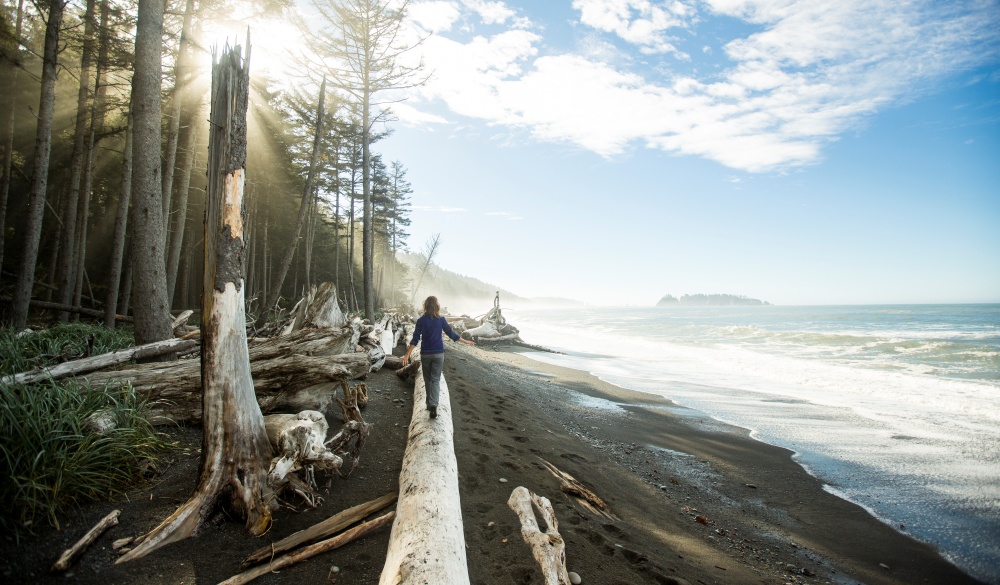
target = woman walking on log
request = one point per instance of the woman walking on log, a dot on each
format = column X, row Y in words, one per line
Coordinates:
column 429, row 327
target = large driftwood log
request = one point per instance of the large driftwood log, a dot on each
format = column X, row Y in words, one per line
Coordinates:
column 324, row 529
column 548, row 547
column 67, row 558
column 290, row 373
column 235, row 450
column 312, row 550
column 427, row 544
column 98, row 362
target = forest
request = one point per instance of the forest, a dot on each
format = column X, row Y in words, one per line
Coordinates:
column 104, row 136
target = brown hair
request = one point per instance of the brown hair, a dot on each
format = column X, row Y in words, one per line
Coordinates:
column 431, row 307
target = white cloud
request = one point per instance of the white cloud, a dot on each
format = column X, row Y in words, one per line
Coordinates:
column 813, row 70
column 641, row 22
column 435, row 16
column 490, row 12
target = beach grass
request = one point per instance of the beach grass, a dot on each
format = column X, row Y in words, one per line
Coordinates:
column 53, row 454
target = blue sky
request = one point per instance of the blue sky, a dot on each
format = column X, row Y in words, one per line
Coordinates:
column 801, row 152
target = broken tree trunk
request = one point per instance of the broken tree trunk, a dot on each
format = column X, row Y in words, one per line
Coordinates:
column 324, row 529
column 548, row 547
column 98, row 362
column 318, row 308
column 427, row 544
column 235, row 450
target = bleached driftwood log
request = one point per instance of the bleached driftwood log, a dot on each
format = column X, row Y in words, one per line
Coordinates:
column 312, row 550
column 98, row 362
column 289, row 373
column 587, row 498
column 427, row 544
column 67, row 558
column 324, row 529
column 547, row 547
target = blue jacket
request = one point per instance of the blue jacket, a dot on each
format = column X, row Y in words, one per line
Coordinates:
column 430, row 329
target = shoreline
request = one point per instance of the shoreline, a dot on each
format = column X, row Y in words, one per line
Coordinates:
column 694, row 500
column 743, row 486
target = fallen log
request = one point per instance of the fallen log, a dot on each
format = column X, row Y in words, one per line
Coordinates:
column 312, row 550
column 427, row 544
column 548, row 547
column 174, row 388
column 324, row 529
column 67, row 558
column 393, row 362
column 99, row 362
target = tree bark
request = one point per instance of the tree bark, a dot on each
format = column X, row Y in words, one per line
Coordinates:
column 121, row 222
column 96, row 122
column 68, row 267
column 149, row 278
column 180, row 217
column 174, row 120
column 8, row 149
column 235, row 449
column 43, row 147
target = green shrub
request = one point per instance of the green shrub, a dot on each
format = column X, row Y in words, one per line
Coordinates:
column 52, row 461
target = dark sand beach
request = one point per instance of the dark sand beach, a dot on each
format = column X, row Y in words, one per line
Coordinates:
column 694, row 500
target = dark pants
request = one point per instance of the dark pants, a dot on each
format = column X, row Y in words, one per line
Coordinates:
column 431, row 365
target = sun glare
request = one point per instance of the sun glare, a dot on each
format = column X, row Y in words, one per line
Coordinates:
column 274, row 43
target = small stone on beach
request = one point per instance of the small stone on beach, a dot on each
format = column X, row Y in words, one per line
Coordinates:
column 503, row 480
column 574, row 578
column 751, row 486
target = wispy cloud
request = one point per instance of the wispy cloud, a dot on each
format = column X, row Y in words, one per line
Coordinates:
column 505, row 215
column 811, row 71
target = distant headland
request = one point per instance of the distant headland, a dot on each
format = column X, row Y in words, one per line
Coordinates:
column 701, row 300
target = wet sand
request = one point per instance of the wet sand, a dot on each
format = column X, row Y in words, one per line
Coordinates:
column 693, row 500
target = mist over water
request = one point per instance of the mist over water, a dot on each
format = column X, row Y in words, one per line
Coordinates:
column 896, row 408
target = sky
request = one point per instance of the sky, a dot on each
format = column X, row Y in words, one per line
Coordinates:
column 794, row 151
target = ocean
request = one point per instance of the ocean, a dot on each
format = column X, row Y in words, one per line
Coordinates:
column 894, row 407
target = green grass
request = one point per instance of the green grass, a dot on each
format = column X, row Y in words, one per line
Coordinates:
column 60, row 343
column 51, row 461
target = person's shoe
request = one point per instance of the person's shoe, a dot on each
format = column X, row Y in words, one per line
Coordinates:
column 433, row 410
